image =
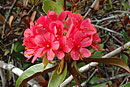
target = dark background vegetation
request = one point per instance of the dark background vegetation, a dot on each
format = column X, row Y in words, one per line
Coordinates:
column 111, row 14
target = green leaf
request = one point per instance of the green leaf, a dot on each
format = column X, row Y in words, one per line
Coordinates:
column 60, row 2
column 32, row 2
column 95, row 79
column 57, row 79
column 81, row 64
column 97, row 54
column 125, row 36
column 68, row 4
column 33, row 72
column 18, row 47
column 19, row 56
column 77, row 11
column 52, row 6
column 125, row 5
column 102, row 45
column 112, row 61
column 126, row 85
column 125, row 58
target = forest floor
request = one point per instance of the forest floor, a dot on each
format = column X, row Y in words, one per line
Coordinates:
column 110, row 17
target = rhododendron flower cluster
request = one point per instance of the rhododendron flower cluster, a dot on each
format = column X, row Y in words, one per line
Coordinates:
column 54, row 35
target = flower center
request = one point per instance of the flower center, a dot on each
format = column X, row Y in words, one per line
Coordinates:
column 47, row 45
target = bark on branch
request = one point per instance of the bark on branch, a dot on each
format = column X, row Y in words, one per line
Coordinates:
column 17, row 71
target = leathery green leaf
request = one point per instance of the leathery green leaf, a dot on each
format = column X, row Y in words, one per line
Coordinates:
column 18, row 47
column 112, row 61
column 32, row 72
column 60, row 2
column 125, row 58
column 57, row 79
column 52, row 6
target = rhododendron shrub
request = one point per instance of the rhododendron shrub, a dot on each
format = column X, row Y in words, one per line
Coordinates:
column 54, row 35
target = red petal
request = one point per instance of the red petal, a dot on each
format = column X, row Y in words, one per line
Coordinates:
column 59, row 27
column 41, row 20
column 49, row 37
column 86, row 42
column 71, row 29
column 70, row 43
column 39, row 40
column 29, row 42
column 85, row 52
column 39, row 53
column 40, row 31
column 96, row 37
column 77, row 16
column 50, row 54
column 62, row 16
column 29, row 53
column 66, row 49
column 85, row 23
column 96, row 46
column 68, row 22
column 78, row 37
column 34, row 59
column 28, row 33
column 60, row 55
column 75, row 54
column 31, row 25
column 52, row 15
column 52, row 28
column 63, row 40
column 55, row 45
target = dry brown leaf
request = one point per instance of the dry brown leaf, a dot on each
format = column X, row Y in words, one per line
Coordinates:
column 112, row 61
column 25, row 3
column 33, row 16
column 96, row 7
column 26, row 20
column 2, row 18
column 41, row 80
column 114, row 85
column 11, row 20
column 126, row 20
column 6, row 52
column 75, row 1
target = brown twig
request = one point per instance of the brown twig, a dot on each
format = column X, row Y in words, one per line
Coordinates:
column 86, row 82
column 76, row 80
column 90, row 8
column 7, row 17
column 70, row 82
column 33, row 7
column 74, row 75
column 109, row 79
column 17, row 71
column 3, row 77
column 64, row 5
column 116, row 39
column 108, row 30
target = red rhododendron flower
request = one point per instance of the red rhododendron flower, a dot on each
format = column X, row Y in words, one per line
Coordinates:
column 77, row 45
column 96, row 40
column 62, row 48
column 48, row 43
column 54, row 35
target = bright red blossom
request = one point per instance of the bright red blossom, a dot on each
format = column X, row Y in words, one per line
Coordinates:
column 77, row 45
column 56, row 35
column 48, row 45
